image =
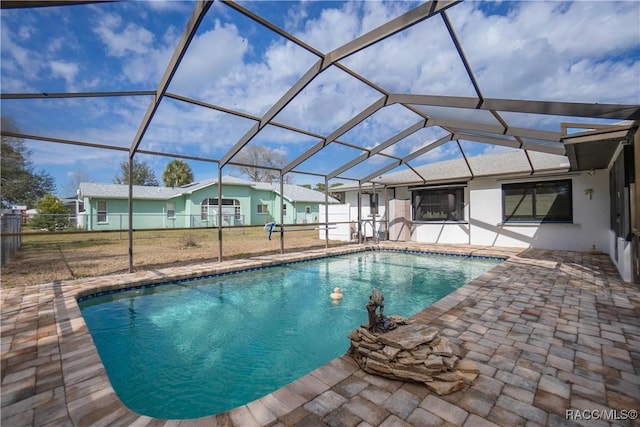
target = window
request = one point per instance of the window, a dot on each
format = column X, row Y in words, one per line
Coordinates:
column 171, row 210
column 102, row 211
column 204, row 212
column 230, row 207
column 263, row 209
column 284, row 209
column 307, row 209
column 545, row 201
column 438, row 204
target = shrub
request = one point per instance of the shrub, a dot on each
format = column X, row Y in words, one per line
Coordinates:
column 52, row 214
column 189, row 241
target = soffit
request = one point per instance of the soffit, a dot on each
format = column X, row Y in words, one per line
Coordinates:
column 594, row 148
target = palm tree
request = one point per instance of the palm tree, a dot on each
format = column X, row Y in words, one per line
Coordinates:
column 177, row 173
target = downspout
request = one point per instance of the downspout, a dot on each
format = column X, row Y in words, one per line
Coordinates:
column 282, row 213
column 326, row 212
column 77, row 206
column 469, row 190
column 130, row 203
column 219, row 213
column 373, row 214
column 359, row 212
column 466, row 161
column 89, row 213
column 386, row 211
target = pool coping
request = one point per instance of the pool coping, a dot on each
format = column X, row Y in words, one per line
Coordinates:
column 84, row 395
column 90, row 395
column 88, row 294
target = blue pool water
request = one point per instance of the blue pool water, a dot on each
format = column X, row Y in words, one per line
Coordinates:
column 190, row 349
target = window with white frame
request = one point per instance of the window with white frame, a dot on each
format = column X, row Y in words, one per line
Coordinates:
column 102, row 211
column 438, row 204
column 230, row 207
column 284, row 209
column 204, row 212
column 171, row 210
column 307, row 209
column 263, row 209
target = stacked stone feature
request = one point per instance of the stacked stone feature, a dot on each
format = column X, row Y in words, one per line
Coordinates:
column 415, row 353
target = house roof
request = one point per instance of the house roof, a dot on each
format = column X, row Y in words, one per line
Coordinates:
column 499, row 164
column 121, row 191
column 293, row 193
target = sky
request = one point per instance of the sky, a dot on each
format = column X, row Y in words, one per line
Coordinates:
column 583, row 51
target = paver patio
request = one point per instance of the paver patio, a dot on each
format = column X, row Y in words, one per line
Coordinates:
column 556, row 336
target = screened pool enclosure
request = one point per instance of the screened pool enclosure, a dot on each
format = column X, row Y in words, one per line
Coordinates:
column 347, row 92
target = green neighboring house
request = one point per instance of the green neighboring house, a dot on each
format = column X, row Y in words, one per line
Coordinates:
column 196, row 205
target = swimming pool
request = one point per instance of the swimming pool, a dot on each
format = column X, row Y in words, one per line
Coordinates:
column 195, row 348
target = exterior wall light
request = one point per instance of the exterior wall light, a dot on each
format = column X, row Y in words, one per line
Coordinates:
column 588, row 192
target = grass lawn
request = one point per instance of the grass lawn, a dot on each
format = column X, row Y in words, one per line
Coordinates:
column 66, row 256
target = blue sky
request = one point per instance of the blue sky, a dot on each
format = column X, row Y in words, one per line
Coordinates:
column 564, row 51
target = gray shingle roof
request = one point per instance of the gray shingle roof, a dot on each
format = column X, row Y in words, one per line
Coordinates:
column 294, row 193
column 455, row 170
column 120, row 191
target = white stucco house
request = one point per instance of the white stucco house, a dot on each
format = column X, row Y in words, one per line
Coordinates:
column 514, row 199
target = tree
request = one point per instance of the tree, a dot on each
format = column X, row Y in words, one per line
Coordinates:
column 142, row 174
column 320, row 187
column 20, row 184
column 336, row 194
column 254, row 156
column 177, row 173
column 52, row 214
column 75, row 178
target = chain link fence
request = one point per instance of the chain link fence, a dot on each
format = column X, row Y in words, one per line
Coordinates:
column 120, row 221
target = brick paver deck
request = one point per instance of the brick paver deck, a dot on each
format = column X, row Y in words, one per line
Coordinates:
column 551, row 332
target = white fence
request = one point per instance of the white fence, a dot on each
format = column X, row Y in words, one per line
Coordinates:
column 346, row 217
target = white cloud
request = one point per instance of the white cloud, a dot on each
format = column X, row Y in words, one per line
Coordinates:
column 336, row 26
column 343, row 24
column 553, row 50
column 210, row 57
column 18, row 60
column 169, row 6
column 123, row 39
column 47, row 155
column 185, row 128
column 55, row 44
column 446, row 151
column 296, row 16
column 65, row 70
column 26, row 31
column 418, row 60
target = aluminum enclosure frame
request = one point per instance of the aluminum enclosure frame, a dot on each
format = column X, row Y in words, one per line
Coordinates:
column 456, row 129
